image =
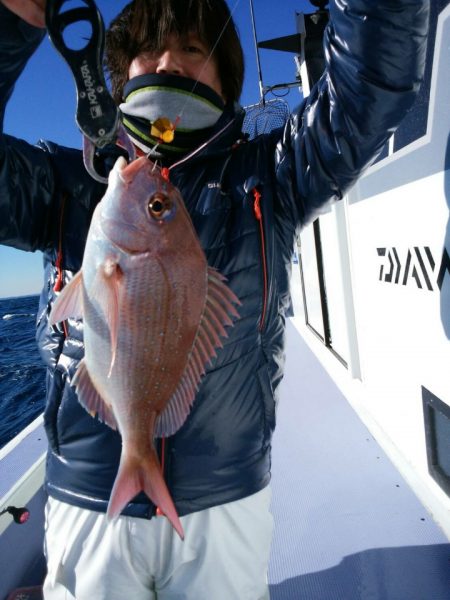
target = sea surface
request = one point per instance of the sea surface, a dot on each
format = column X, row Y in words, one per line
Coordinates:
column 22, row 374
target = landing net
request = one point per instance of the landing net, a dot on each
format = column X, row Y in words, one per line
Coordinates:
column 263, row 118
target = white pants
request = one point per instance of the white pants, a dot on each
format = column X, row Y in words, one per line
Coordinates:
column 224, row 555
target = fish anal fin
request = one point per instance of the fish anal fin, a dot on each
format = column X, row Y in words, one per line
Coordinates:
column 178, row 407
column 69, row 303
column 219, row 307
column 90, row 399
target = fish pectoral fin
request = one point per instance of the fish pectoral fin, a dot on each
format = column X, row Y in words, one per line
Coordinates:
column 90, row 399
column 219, row 308
column 69, row 303
column 108, row 285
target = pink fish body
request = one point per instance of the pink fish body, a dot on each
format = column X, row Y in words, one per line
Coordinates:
column 153, row 312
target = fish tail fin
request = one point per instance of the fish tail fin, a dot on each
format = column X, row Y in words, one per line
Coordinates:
column 138, row 474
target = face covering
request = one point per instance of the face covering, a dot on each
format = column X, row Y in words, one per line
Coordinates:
column 192, row 107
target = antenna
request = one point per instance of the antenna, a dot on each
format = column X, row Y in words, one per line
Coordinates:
column 258, row 62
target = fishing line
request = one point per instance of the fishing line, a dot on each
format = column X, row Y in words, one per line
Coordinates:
column 210, row 55
column 206, row 63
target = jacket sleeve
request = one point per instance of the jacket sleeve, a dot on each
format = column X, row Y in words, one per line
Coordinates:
column 375, row 58
column 26, row 175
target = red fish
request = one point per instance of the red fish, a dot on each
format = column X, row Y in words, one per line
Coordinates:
column 154, row 314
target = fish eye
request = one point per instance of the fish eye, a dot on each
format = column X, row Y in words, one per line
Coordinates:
column 160, row 206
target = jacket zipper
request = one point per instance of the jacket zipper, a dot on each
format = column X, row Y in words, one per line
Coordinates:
column 59, row 282
column 258, row 214
column 162, row 458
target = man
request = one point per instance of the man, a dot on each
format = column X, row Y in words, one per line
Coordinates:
column 246, row 200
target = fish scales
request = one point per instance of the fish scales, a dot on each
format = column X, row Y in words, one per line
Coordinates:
column 148, row 309
column 154, row 313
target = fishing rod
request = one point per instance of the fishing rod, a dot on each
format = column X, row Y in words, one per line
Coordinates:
column 258, row 60
column 306, row 44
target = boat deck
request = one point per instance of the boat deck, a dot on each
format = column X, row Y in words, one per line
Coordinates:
column 347, row 526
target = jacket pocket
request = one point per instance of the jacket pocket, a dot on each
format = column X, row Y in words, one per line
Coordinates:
column 55, row 385
column 268, row 402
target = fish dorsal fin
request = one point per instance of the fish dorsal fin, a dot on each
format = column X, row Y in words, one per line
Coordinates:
column 89, row 398
column 69, row 303
column 217, row 313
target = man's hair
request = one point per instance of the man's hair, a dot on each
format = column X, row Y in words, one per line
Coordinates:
column 144, row 25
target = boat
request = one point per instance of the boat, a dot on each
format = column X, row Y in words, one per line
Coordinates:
column 361, row 453
column 374, row 288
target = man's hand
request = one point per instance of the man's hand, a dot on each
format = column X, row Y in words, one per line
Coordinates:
column 31, row 11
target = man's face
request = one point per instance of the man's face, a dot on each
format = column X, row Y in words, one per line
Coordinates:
column 184, row 55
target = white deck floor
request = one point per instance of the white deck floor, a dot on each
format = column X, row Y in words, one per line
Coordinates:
column 347, row 525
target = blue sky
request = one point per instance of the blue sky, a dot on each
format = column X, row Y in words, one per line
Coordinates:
column 43, row 104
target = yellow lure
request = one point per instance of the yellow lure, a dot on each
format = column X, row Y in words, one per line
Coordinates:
column 163, row 129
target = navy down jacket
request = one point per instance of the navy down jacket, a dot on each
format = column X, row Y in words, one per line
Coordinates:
column 247, row 201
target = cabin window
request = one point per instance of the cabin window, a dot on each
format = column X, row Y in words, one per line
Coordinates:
column 322, row 285
column 437, row 434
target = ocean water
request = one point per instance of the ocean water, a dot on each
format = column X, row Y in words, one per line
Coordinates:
column 22, row 374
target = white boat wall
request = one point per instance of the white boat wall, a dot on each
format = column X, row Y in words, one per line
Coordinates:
column 22, row 465
column 372, row 296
